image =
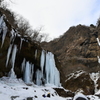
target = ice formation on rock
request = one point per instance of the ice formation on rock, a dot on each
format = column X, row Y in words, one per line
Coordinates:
column 8, row 54
column 3, row 28
column 48, row 73
column 95, row 77
column 12, row 73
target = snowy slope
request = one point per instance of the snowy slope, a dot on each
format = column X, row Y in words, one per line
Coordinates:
column 17, row 89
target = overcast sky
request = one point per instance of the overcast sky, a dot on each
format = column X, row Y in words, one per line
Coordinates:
column 56, row 16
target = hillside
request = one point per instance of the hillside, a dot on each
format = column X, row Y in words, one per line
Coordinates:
column 77, row 49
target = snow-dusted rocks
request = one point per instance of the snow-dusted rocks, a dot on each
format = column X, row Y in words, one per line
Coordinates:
column 80, row 81
column 80, row 96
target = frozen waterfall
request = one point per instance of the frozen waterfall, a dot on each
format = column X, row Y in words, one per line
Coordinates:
column 52, row 74
column 28, row 70
column 48, row 74
column 42, row 61
column 27, row 73
column 41, row 72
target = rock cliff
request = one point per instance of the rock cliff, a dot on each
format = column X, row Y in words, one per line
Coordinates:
column 77, row 49
column 22, row 58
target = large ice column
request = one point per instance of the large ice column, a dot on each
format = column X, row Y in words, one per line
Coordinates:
column 4, row 33
column 13, row 55
column 28, row 72
column 42, row 60
column 47, row 66
column 52, row 74
column 57, row 77
column 3, row 28
column 12, row 73
column 8, row 54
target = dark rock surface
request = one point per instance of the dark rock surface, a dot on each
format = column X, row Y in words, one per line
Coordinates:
column 61, row 92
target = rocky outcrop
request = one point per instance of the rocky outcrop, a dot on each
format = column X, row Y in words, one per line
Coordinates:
column 80, row 81
column 77, row 49
column 64, row 93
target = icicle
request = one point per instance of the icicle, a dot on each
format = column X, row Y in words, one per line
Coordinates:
column 35, row 54
column 21, row 43
column 12, row 73
column 4, row 28
column 1, row 20
column 28, row 70
column 13, row 35
column 13, row 56
column 23, row 65
column 52, row 74
column 52, row 69
column 47, row 68
column 98, row 59
column 27, row 73
column 8, row 54
column 42, row 60
column 56, row 77
column 98, row 41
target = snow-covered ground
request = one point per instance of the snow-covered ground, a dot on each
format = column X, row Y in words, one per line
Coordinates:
column 16, row 89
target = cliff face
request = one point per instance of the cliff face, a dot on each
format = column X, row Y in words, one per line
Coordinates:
column 22, row 58
column 77, row 49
